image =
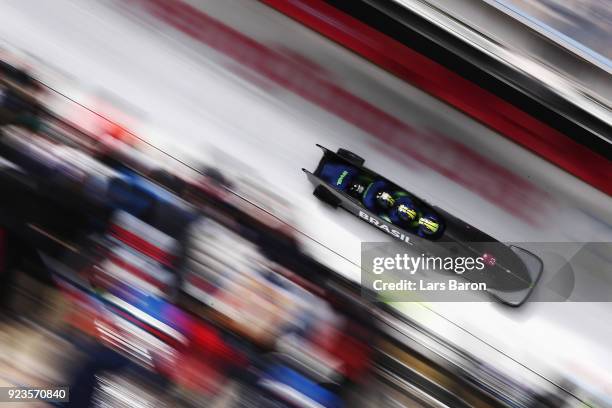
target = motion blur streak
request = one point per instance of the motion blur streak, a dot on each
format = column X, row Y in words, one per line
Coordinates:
column 451, row 88
column 438, row 152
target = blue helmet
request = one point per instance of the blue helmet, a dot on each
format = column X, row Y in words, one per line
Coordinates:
column 339, row 176
column 384, row 200
column 429, row 225
column 407, row 212
column 404, row 212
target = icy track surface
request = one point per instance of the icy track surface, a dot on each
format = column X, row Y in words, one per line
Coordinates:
column 192, row 100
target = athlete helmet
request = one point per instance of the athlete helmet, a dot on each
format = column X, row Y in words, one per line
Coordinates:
column 384, row 200
column 356, row 190
column 429, row 225
column 407, row 212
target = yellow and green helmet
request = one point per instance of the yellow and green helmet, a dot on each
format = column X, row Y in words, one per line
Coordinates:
column 429, row 225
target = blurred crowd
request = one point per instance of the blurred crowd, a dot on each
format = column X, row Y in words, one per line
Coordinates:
column 154, row 289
